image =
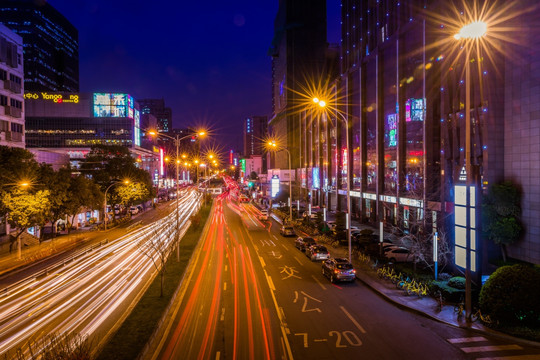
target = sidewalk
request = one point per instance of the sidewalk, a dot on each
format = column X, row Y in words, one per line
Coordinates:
column 425, row 306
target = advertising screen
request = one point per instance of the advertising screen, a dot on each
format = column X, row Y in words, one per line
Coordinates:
column 274, row 185
column 137, row 130
column 315, row 177
column 111, row 105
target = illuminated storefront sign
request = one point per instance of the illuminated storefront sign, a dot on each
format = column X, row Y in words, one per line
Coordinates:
column 369, row 196
column 411, row 202
column 389, row 199
column 113, row 105
column 392, row 130
column 56, row 98
column 356, row 194
column 414, row 109
column 161, row 161
column 460, row 226
column 344, row 162
column 243, row 165
column 274, row 185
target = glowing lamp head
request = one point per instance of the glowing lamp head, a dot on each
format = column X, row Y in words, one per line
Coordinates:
column 474, row 30
column 315, row 100
column 152, row 133
column 322, row 103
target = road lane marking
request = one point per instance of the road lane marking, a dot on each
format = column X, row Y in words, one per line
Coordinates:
column 224, row 286
column 295, row 258
column 218, row 354
column 318, row 282
column 490, row 348
column 262, row 261
column 466, row 339
column 320, row 340
column 226, row 267
column 284, row 246
column 275, row 237
column 270, row 283
column 358, row 326
column 222, row 314
column 305, row 335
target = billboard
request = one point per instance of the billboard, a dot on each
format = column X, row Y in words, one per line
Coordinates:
column 274, row 185
column 113, row 105
column 414, row 109
column 137, row 130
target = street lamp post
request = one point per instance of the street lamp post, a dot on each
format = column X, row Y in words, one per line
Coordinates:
column 177, row 140
column 322, row 104
column 472, row 31
column 273, row 144
column 105, row 215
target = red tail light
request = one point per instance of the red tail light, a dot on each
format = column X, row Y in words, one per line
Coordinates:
column 336, row 271
column 353, row 271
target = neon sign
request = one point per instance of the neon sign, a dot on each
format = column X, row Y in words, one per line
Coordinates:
column 56, row 98
column 392, row 129
column 414, row 109
column 137, row 130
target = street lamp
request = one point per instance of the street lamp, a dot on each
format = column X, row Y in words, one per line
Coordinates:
column 177, row 140
column 322, row 104
column 105, row 215
column 471, row 32
column 274, row 147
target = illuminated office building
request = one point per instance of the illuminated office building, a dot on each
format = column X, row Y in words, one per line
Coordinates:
column 162, row 113
column 67, row 125
column 50, row 42
column 11, row 89
column 402, row 91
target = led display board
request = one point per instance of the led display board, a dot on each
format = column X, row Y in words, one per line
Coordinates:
column 315, row 176
column 391, row 121
column 113, row 105
column 243, row 165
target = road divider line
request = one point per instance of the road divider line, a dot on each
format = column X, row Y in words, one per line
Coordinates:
column 295, row 258
column 353, row 320
column 218, row 355
column 262, row 261
column 224, row 286
column 270, row 283
column 222, row 314
column 318, row 282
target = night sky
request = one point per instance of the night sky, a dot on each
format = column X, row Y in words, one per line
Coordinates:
column 207, row 59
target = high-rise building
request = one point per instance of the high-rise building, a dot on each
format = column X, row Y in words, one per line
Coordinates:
column 255, row 132
column 11, row 91
column 298, row 56
column 50, row 45
column 162, row 113
column 403, row 93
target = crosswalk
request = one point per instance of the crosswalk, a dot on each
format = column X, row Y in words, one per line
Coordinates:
column 479, row 348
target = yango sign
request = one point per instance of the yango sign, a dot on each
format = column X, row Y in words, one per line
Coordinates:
column 54, row 97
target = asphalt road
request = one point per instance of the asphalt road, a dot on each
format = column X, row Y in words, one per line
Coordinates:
column 250, row 294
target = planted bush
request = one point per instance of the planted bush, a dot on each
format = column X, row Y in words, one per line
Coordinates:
column 512, row 295
column 457, row 282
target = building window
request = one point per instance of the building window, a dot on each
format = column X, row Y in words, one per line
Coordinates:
column 15, row 79
column 18, row 128
column 15, row 103
column 3, row 74
column 3, row 100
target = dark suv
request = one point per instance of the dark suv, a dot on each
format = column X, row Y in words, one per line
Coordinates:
column 338, row 269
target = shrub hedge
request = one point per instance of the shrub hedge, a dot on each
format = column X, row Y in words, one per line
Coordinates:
column 512, row 295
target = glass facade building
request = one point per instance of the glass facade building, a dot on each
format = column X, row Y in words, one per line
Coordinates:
column 50, row 43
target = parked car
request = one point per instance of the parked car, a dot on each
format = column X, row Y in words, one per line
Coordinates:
column 317, row 252
column 303, row 242
column 398, row 254
column 133, row 210
column 287, row 230
column 263, row 215
column 338, row 269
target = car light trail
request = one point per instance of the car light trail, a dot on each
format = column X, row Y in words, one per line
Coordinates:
column 80, row 295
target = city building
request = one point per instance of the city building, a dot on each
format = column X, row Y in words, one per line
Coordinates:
column 50, row 42
column 255, row 132
column 64, row 126
column 11, row 90
column 162, row 113
column 298, row 56
column 401, row 97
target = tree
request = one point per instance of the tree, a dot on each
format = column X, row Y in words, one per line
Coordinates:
column 57, row 182
column 157, row 247
column 108, row 163
column 253, row 175
column 129, row 193
column 82, row 193
column 501, row 209
column 25, row 210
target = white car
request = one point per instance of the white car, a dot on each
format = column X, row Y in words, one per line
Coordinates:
column 263, row 215
column 398, row 254
column 133, row 210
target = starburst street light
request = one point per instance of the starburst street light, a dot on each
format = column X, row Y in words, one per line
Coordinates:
column 272, row 145
column 470, row 33
column 323, row 105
